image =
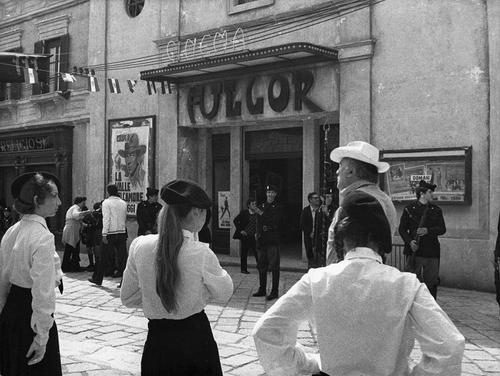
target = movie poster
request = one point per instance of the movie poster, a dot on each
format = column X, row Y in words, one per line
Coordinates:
column 131, row 158
column 224, row 213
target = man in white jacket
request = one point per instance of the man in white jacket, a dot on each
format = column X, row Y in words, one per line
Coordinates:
column 114, row 232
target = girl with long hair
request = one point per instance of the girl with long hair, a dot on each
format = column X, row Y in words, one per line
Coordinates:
column 172, row 276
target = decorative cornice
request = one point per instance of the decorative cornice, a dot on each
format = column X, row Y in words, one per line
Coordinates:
column 10, row 39
column 53, row 27
column 41, row 12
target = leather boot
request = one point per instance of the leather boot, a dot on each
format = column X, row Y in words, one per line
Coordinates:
column 262, row 283
column 276, row 282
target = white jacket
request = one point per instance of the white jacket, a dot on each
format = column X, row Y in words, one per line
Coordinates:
column 114, row 216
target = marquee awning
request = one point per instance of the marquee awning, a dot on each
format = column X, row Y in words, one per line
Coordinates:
column 12, row 65
column 247, row 60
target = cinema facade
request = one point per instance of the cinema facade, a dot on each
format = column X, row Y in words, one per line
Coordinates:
column 252, row 87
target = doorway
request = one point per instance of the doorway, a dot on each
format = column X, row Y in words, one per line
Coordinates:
column 286, row 175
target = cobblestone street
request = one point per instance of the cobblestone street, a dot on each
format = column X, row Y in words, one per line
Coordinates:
column 100, row 337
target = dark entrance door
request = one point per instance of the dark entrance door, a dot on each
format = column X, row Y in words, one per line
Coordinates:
column 286, row 175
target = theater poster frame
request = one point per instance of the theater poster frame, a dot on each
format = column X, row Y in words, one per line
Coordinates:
column 449, row 168
column 131, row 158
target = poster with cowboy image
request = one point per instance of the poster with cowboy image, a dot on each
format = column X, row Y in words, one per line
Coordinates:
column 131, row 158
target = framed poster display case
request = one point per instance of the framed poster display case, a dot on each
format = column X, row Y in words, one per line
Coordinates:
column 131, row 158
column 450, row 169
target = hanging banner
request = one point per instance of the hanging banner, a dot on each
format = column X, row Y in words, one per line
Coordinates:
column 131, row 157
column 224, row 213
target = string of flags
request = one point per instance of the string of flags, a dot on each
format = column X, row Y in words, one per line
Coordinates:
column 31, row 76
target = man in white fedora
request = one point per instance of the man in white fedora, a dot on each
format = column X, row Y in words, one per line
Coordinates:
column 359, row 166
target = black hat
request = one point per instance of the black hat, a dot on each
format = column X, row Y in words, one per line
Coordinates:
column 185, row 192
column 23, row 187
column 150, row 191
column 366, row 210
column 426, row 186
column 271, row 187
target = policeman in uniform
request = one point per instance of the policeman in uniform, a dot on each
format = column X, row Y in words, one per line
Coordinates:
column 268, row 233
column 421, row 224
column 147, row 212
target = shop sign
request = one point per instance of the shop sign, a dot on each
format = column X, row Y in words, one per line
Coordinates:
column 28, row 143
column 251, row 97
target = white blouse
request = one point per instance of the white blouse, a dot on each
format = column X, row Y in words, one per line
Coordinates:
column 71, row 231
column 201, row 278
column 367, row 316
column 28, row 259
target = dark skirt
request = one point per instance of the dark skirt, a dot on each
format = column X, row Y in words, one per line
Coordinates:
column 181, row 348
column 16, row 337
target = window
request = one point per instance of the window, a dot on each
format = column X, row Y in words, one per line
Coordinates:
column 49, row 76
column 238, row 6
column 10, row 90
column 134, row 7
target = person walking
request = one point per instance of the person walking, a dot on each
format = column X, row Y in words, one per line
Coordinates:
column 310, row 223
column 246, row 228
column 269, row 220
column 92, row 235
column 172, row 276
column 421, row 224
column 367, row 315
column 29, row 273
column 71, row 235
column 359, row 167
column 147, row 213
column 114, row 234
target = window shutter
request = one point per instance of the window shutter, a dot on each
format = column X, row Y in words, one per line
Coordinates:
column 64, row 61
column 42, row 69
column 15, row 88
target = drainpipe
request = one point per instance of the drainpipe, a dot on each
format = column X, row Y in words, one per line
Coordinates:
column 105, row 87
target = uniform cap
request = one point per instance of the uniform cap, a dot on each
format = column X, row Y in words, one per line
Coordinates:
column 150, row 191
column 271, row 188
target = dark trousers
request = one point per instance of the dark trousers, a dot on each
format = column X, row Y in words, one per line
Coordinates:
column 248, row 244
column 427, row 271
column 71, row 258
column 117, row 245
column 268, row 260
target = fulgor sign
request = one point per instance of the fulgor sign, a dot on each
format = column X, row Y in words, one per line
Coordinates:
column 280, row 89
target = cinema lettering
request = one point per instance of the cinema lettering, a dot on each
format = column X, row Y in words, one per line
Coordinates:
column 252, row 97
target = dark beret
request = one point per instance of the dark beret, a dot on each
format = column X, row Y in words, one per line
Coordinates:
column 367, row 211
column 23, row 187
column 185, row 192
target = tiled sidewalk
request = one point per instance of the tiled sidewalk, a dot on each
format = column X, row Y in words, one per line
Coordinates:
column 100, row 337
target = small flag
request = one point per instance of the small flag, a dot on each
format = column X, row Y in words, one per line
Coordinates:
column 93, row 85
column 114, row 85
column 163, row 90
column 151, row 87
column 30, row 76
column 67, row 77
column 131, row 85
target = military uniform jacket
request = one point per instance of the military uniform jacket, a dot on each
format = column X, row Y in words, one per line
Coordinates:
column 434, row 222
column 269, row 223
column 146, row 217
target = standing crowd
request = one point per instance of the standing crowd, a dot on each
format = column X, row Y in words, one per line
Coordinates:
column 367, row 314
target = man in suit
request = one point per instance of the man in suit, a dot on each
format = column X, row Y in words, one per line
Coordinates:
column 310, row 224
column 246, row 227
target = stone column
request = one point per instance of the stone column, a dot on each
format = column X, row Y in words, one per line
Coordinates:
column 235, row 182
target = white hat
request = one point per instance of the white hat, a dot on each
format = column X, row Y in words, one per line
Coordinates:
column 362, row 151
